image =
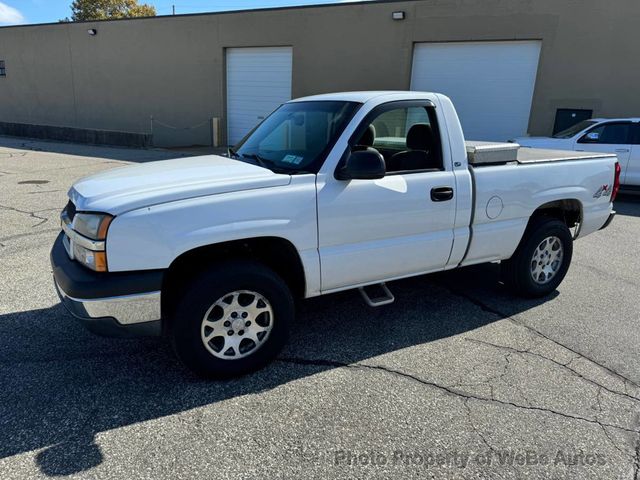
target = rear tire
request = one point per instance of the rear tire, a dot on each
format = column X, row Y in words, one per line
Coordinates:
column 542, row 259
column 232, row 319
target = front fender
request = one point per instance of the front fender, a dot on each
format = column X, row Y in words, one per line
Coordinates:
column 152, row 237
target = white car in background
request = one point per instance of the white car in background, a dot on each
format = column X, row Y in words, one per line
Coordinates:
column 608, row 135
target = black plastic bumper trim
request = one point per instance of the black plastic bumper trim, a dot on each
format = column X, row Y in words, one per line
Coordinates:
column 80, row 282
column 609, row 220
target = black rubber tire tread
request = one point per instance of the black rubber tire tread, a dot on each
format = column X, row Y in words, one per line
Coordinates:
column 515, row 272
column 203, row 291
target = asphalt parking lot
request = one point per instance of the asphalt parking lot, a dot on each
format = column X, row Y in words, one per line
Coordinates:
column 456, row 380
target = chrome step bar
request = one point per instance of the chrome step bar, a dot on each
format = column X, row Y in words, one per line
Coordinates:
column 385, row 299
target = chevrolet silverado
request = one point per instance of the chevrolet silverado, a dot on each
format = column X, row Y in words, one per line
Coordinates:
column 330, row 192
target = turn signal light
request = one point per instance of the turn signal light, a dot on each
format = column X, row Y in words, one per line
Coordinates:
column 100, row 261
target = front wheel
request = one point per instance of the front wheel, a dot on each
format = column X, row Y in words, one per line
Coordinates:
column 232, row 319
column 542, row 259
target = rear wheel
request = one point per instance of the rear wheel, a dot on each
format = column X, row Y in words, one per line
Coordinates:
column 542, row 259
column 232, row 320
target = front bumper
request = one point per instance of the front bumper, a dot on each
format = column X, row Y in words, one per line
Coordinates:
column 121, row 304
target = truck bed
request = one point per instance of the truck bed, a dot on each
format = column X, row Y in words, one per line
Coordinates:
column 497, row 153
column 540, row 155
column 507, row 192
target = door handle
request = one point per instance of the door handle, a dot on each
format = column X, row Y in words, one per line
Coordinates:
column 441, row 194
column 622, row 150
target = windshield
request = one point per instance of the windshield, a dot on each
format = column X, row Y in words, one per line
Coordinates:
column 577, row 128
column 296, row 137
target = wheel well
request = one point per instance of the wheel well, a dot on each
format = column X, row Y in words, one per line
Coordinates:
column 568, row 211
column 276, row 253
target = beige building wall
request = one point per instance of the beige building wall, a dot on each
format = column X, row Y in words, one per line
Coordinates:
column 172, row 68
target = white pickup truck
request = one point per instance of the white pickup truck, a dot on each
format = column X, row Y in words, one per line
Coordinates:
column 331, row 192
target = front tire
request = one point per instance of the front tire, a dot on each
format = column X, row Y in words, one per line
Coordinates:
column 232, row 319
column 542, row 259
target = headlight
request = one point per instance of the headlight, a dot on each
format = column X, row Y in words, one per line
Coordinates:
column 92, row 225
column 86, row 234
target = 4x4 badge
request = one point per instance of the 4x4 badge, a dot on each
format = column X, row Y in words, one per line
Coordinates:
column 603, row 190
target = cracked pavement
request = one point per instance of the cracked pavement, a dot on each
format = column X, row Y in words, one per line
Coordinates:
column 456, row 380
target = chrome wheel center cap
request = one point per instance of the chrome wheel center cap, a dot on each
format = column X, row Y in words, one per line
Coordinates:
column 547, row 260
column 237, row 324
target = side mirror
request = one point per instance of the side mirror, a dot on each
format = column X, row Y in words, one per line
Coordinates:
column 363, row 165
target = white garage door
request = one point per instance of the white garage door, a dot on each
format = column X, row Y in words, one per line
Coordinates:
column 258, row 81
column 490, row 83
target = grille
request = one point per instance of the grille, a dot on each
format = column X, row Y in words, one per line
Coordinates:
column 71, row 210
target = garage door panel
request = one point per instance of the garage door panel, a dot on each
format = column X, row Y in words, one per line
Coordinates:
column 258, row 81
column 490, row 83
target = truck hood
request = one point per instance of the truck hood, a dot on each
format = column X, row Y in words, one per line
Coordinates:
column 135, row 186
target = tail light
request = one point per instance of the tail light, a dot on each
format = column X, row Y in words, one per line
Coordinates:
column 616, row 182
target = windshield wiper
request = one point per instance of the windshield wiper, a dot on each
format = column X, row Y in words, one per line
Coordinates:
column 232, row 153
column 263, row 162
column 270, row 164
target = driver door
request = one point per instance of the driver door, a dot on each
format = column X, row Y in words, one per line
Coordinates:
column 610, row 137
column 395, row 226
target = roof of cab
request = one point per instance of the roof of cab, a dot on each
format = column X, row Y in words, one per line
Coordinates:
column 362, row 97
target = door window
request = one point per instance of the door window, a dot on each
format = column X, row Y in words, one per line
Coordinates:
column 609, row 134
column 406, row 137
column 636, row 134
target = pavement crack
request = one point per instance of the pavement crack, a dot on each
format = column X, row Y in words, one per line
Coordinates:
column 564, row 366
column 486, row 308
column 626, row 380
column 447, row 390
column 515, row 385
column 487, row 381
column 475, row 429
column 31, row 214
column 608, row 273
column 613, row 443
column 22, row 235
column 618, row 448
